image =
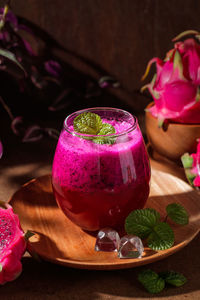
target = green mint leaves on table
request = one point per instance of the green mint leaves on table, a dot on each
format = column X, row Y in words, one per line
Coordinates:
column 151, row 281
column 173, row 278
column 154, row 283
column 145, row 223
column 91, row 123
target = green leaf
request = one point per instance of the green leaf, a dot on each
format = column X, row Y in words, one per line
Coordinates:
column 151, row 281
column 161, row 238
column 187, row 160
column 140, row 222
column 11, row 56
column 190, row 176
column 178, row 66
column 177, row 213
column 185, row 33
column 1, row 268
column 173, row 278
column 28, row 235
column 87, row 123
column 105, row 129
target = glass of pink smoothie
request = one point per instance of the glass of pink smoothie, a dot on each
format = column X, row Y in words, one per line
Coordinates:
column 98, row 185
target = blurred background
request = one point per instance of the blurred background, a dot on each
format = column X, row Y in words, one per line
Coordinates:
column 95, row 38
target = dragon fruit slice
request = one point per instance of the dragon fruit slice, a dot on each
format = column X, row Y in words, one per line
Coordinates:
column 191, row 164
column 175, row 86
column 12, row 244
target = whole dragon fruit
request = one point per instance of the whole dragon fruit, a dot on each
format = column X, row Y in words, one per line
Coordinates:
column 191, row 164
column 12, row 244
column 175, row 87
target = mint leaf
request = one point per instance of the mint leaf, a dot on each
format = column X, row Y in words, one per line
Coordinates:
column 105, row 129
column 140, row 222
column 151, row 281
column 1, row 268
column 177, row 213
column 173, row 278
column 87, row 123
column 161, row 237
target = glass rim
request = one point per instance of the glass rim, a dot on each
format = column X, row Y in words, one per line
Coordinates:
column 92, row 109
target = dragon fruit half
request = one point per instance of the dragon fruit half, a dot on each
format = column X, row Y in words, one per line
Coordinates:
column 191, row 164
column 175, row 87
column 12, row 244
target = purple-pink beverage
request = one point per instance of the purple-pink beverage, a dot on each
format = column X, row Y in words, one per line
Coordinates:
column 98, row 185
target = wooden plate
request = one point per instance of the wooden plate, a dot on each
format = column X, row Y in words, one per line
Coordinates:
column 58, row 240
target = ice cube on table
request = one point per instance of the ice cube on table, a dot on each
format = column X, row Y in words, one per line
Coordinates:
column 107, row 240
column 130, row 247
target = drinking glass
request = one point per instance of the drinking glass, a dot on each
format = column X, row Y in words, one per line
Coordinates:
column 97, row 183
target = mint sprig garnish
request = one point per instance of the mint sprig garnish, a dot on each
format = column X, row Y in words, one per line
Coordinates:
column 105, row 129
column 87, row 123
column 174, row 278
column 91, row 123
column 177, row 213
column 155, row 282
column 151, row 281
column 146, row 224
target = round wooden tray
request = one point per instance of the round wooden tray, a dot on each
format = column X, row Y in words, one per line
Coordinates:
column 58, row 240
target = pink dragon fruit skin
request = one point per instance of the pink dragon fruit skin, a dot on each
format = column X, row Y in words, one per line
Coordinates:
column 191, row 164
column 12, row 245
column 175, row 86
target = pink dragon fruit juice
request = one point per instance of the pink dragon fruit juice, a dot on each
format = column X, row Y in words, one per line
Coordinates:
column 98, row 185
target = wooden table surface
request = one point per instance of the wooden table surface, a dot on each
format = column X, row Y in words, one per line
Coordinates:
column 43, row 280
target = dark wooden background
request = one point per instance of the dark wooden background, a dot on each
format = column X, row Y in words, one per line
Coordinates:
column 116, row 37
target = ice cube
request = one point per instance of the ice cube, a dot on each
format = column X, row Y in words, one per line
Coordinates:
column 107, row 240
column 130, row 247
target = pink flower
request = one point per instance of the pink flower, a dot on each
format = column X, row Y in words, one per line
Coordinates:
column 175, row 86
